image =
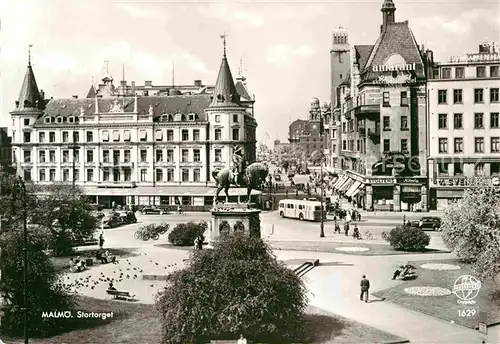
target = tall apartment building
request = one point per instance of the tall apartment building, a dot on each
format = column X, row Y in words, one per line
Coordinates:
column 464, row 125
column 134, row 149
column 383, row 120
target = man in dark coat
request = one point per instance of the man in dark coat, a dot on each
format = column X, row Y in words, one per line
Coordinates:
column 346, row 228
column 365, row 286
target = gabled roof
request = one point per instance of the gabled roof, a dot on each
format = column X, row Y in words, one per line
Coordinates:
column 362, row 55
column 225, row 94
column 395, row 38
column 29, row 97
column 242, row 90
column 92, row 93
column 160, row 105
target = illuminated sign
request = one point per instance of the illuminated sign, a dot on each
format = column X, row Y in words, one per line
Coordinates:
column 395, row 68
column 484, row 57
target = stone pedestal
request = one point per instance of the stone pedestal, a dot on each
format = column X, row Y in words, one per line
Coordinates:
column 231, row 218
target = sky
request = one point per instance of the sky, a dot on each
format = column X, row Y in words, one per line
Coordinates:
column 284, row 45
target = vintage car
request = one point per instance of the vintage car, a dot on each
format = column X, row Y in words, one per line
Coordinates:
column 153, row 210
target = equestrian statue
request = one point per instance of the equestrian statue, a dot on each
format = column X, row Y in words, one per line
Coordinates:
column 252, row 176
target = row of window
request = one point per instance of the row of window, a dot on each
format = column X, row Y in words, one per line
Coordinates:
column 481, row 72
column 349, row 145
column 458, row 168
column 116, row 134
column 116, row 155
column 479, row 144
column 124, row 175
column 478, row 120
column 478, row 96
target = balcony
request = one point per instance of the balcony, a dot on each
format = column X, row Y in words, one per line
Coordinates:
column 368, row 109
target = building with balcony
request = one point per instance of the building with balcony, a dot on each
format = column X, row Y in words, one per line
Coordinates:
column 138, row 149
column 307, row 134
column 383, row 130
column 464, row 125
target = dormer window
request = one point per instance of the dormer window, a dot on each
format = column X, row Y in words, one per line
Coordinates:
column 64, row 119
column 77, row 119
column 191, row 117
column 220, row 98
column 196, row 117
column 71, row 119
column 59, row 119
column 170, row 118
column 183, row 117
column 46, row 120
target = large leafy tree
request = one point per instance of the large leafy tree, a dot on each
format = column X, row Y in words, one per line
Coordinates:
column 291, row 155
column 471, row 229
column 238, row 287
column 44, row 291
column 64, row 211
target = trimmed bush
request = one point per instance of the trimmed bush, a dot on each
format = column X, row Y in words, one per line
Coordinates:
column 184, row 234
column 407, row 238
column 237, row 288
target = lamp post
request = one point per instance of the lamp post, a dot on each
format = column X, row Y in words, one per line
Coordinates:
column 322, row 225
column 20, row 183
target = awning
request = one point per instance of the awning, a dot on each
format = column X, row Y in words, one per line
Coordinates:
column 353, row 188
column 347, row 185
column 174, row 190
column 360, row 187
column 340, row 182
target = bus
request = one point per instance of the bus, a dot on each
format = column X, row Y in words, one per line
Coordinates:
column 301, row 209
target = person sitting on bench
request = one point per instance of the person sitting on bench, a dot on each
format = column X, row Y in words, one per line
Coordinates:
column 110, row 258
column 100, row 257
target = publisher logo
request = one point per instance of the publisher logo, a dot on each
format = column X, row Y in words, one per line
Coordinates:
column 466, row 288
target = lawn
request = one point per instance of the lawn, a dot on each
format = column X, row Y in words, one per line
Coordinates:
column 446, row 307
column 61, row 264
column 331, row 247
column 138, row 323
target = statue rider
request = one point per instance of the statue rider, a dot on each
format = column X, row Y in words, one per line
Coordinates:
column 237, row 163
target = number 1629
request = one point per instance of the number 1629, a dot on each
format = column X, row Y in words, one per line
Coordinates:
column 466, row 312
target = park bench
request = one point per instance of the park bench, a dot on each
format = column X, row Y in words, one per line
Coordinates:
column 117, row 294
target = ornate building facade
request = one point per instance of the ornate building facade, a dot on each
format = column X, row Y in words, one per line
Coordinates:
column 124, row 146
column 383, row 130
column 464, row 125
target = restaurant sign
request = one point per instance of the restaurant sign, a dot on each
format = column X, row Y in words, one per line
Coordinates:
column 395, row 68
column 466, row 182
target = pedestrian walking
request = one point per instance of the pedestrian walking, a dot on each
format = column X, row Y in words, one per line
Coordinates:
column 242, row 340
column 346, row 228
column 359, row 216
column 337, row 227
column 365, row 286
column 113, row 205
column 101, row 241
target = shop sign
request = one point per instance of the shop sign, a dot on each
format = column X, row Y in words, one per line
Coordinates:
column 481, row 57
column 410, row 181
column 464, row 182
column 395, row 68
column 381, row 181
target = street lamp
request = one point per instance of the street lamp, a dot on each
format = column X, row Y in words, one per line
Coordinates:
column 20, row 183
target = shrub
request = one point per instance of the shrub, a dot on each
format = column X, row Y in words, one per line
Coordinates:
column 184, row 234
column 238, row 287
column 407, row 238
column 45, row 292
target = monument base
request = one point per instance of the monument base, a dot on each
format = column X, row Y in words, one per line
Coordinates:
column 231, row 218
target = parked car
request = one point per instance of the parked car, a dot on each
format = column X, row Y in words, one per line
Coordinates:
column 430, row 222
column 152, row 210
column 111, row 220
column 99, row 215
column 128, row 217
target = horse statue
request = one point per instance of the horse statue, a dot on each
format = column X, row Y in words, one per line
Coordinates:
column 252, row 177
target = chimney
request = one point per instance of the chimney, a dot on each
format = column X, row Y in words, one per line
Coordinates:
column 148, row 83
column 197, row 83
column 75, row 96
column 123, row 83
column 42, row 95
column 133, row 86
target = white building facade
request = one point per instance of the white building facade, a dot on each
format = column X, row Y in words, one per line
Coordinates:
column 134, row 149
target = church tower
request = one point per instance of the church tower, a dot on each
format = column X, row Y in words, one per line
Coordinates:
column 29, row 107
column 340, row 63
column 230, row 123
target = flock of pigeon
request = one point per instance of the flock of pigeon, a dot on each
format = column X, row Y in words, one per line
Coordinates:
column 124, row 271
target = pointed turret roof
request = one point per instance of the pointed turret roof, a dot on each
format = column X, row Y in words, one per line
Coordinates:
column 225, row 94
column 29, row 97
column 92, row 93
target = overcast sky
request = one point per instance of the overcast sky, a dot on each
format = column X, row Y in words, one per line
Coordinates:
column 284, row 44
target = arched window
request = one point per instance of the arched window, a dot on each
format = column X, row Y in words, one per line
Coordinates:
column 239, row 227
column 224, row 228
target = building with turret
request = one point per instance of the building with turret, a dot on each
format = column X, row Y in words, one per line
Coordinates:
column 134, row 149
column 308, row 134
column 382, row 132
